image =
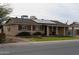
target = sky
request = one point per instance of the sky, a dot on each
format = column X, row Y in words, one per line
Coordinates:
column 64, row 12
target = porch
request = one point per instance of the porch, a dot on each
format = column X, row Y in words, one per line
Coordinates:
column 45, row 30
column 55, row 31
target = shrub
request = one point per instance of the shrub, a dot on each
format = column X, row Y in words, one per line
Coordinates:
column 2, row 37
column 24, row 34
column 37, row 33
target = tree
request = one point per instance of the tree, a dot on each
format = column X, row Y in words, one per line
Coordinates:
column 4, row 11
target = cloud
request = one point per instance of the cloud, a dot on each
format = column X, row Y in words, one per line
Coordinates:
column 63, row 11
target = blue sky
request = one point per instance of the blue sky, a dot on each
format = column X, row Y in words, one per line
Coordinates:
column 51, row 11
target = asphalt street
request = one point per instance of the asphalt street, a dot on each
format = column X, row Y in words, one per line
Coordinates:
column 69, row 47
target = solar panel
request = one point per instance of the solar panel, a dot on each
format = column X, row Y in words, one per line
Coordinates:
column 45, row 21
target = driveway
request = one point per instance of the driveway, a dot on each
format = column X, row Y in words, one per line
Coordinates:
column 67, row 47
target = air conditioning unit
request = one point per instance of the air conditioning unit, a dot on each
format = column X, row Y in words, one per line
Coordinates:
column 24, row 17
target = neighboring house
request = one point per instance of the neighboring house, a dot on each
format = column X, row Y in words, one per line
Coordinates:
column 24, row 24
column 74, row 29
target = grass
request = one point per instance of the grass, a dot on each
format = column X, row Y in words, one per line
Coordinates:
column 53, row 38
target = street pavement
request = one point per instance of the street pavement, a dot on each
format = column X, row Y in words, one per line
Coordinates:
column 66, row 47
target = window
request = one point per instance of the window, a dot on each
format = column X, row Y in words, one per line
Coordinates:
column 28, row 27
column 41, row 27
column 34, row 27
column 24, row 27
column 8, row 28
column 20, row 27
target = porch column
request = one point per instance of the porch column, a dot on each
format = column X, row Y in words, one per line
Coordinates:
column 64, row 31
column 47, row 30
column 31, row 29
column 56, row 30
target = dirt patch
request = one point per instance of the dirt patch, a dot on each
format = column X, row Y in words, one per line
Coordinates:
column 13, row 39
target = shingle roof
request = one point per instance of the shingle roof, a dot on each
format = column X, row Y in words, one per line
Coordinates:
column 38, row 21
column 18, row 21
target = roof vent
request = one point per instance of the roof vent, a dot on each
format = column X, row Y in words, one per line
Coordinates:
column 16, row 17
column 33, row 17
column 24, row 17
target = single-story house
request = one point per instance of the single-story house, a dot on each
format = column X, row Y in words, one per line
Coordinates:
column 74, row 29
column 24, row 24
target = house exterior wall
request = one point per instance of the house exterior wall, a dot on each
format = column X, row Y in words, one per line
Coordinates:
column 70, row 28
column 11, row 30
column 74, row 31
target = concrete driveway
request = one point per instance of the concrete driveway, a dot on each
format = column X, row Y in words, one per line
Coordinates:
column 67, row 47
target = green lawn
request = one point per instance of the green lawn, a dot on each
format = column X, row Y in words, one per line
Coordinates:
column 53, row 38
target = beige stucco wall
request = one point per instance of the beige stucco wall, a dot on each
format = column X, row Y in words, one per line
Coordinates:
column 13, row 30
